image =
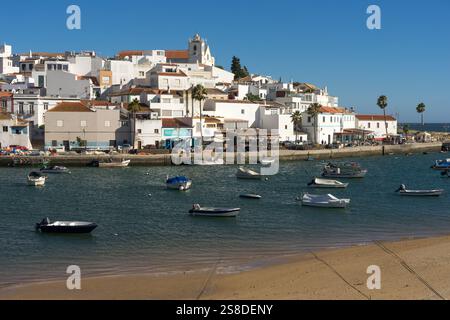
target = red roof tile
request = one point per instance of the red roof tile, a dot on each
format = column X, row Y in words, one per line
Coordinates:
column 177, row 54
column 374, row 117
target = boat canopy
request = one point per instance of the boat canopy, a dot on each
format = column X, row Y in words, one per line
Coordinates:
column 179, row 179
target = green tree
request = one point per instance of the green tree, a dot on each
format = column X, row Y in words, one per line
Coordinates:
column 237, row 69
column 296, row 119
column 313, row 111
column 199, row 93
column 405, row 129
column 420, row 110
column 382, row 102
column 134, row 106
column 252, row 97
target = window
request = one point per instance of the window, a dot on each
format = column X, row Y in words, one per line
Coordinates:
column 54, row 143
column 166, row 113
column 59, row 66
column 324, row 119
column 17, row 131
column 20, row 107
column 285, row 127
column 107, row 123
column 156, row 131
column 4, row 105
column 165, row 100
column 59, row 123
column 242, row 111
column 368, row 125
column 139, row 131
column 5, row 129
column 378, row 125
column 30, row 66
column 31, row 107
column 83, row 123
column 65, row 67
column 141, row 73
column 45, row 106
column 177, row 82
column 309, row 119
column 41, row 81
column 387, row 125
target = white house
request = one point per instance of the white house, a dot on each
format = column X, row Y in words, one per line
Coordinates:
column 234, row 109
column 328, row 124
column 165, row 104
column 168, row 76
column 272, row 116
column 6, row 63
column 147, row 128
column 13, row 131
column 377, row 124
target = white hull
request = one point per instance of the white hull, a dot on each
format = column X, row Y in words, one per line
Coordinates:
column 325, row 204
column 114, row 164
column 243, row 173
column 36, row 182
column 228, row 214
column 325, row 183
column 421, row 193
column 324, row 201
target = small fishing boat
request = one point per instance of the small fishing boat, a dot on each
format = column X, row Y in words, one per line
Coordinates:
column 441, row 165
column 266, row 162
column 36, row 179
column 419, row 193
column 65, row 226
column 197, row 210
column 346, row 170
column 250, row 196
column 245, row 173
column 115, row 164
column 54, row 169
column 324, row 201
column 326, row 183
column 181, row 183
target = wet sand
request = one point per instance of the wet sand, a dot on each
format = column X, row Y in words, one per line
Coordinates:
column 410, row 269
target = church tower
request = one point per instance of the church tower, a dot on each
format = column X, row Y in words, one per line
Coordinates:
column 199, row 51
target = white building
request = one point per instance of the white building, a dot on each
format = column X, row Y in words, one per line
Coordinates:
column 377, row 124
column 234, row 109
column 328, row 124
column 275, row 117
column 6, row 63
column 165, row 104
column 147, row 128
column 13, row 131
column 168, row 76
column 122, row 71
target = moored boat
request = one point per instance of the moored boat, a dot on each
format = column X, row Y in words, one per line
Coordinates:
column 346, row 170
column 109, row 164
column 326, row 183
column 324, row 201
column 181, row 183
column 65, row 226
column 245, row 173
column 250, row 196
column 36, row 179
column 197, row 210
column 441, row 165
column 54, row 169
column 419, row 193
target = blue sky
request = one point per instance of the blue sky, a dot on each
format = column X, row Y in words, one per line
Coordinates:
column 324, row 42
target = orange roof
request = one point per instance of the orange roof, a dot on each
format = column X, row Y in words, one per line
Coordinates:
column 374, row 117
column 177, row 54
column 129, row 53
column 70, row 107
column 332, row 110
column 5, row 94
column 176, row 123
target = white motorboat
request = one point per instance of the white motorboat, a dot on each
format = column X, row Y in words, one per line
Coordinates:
column 250, row 196
column 245, row 173
column 324, row 201
column 197, row 210
column 419, row 193
column 266, row 162
column 114, row 164
column 326, row 183
column 181, row 183
column 36, row 179
column 54, row 169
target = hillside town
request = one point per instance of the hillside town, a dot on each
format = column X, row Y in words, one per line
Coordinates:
column 151, row 99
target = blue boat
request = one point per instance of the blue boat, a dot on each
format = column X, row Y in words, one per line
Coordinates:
column 181, row 183
column 441, row 165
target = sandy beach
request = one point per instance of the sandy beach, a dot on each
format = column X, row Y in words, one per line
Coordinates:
column 410, row 269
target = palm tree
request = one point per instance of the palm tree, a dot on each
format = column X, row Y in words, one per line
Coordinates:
column 199, row 93
column 421, row 109
column 382, row 102
column 134, row 107
column 296, row 119
column 313, row 111
column 406, row 130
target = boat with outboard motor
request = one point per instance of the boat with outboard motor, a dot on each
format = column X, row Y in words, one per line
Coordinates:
column 344, row 170
column 36, row 179
column 47, row 226
column 326, row 183
column 323, row 201
column 197, row 210
column 421, row 193
column 245, row 173
column 181, row 183
column 54, row 169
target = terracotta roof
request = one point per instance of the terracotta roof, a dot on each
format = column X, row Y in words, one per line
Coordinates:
column 332, row 110
column 5, row 94
column 93, row 79
column 95, row 103
column 177, row 54
column 374, row 117
column 176, row 123
column 215, row 91
column 129, row 53
column 132, row 91
column 70, row 107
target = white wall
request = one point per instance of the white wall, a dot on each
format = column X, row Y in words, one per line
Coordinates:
column 232, row 110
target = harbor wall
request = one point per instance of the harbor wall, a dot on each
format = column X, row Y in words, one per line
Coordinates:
column 284, row 155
